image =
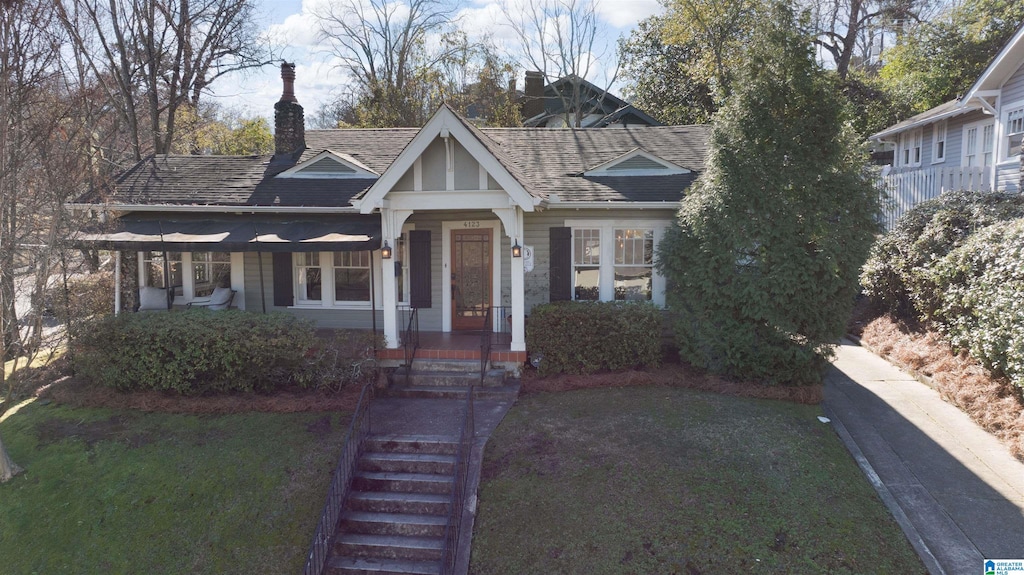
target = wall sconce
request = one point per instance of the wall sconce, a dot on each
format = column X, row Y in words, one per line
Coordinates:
column 385, row 251
column 517, row 250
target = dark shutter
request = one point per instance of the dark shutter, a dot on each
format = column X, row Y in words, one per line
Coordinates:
column 560, row 270
column 419, row 268
column 284, row 294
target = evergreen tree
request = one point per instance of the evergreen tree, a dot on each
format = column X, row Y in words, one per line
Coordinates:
column 763, row 263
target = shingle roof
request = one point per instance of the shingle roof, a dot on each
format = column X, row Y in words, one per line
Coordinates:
column 545, row 161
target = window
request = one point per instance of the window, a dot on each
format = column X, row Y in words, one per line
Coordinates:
column 153, row 270
column 586, row 260
column 210, row 270
column 351, row 276
column 1014, row 130
column 939, row 142
column 401, row 255
column 310, row 277
column 910, row 146
column 634, row 264
column 978, row 144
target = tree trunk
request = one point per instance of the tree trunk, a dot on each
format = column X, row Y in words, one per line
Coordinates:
column 8, row 468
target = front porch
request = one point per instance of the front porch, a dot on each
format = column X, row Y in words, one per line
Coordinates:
column 457, row 345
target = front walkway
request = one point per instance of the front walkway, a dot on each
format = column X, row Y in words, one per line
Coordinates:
column 956, row 491
column 442, row 417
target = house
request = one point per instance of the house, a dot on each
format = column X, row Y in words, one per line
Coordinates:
column 382, row 228
column 549, row 106
column 971, row 143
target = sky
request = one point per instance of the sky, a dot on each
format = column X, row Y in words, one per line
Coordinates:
column 292, row 26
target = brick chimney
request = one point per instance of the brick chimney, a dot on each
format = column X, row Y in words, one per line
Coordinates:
column 533, row 94
column 289, row 124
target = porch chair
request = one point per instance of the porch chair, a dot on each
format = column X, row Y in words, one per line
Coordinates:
column 153, row 299
column 218, row 300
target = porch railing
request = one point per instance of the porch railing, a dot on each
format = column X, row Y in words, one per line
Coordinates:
column 457, row 498
column 358, row 429
column 485, row 344
column 901, row 191
column 411, row 336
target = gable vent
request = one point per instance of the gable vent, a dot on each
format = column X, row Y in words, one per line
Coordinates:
column 328, row 166
column 636, row 163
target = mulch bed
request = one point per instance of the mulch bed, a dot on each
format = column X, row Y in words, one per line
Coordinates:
column 992, row 402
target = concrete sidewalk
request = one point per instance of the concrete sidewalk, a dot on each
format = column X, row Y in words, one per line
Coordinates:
column 956, row 491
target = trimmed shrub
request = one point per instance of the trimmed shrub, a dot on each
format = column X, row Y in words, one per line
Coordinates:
column 982, row 298
column 588, row 337
column 195, row 352
column 897, row 271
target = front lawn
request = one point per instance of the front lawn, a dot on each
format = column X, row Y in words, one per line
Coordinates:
column 113, row 491
column 668, row 480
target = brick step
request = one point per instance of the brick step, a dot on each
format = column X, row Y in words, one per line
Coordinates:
column 408, row 462
column 367, row 566
column 389, row 547
column 405, row 482
column 415, row 525
column 412, row 444
column 398, row 502
column 440, row 378
column 453, row 392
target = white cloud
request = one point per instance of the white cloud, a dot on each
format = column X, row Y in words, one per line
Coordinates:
column 624, row 14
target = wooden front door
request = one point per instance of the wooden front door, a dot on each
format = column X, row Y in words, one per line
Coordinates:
column 471, row 277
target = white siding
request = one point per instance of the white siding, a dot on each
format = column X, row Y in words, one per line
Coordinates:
column 1008, row 173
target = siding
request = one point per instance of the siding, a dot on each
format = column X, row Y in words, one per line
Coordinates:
column 1008, row 174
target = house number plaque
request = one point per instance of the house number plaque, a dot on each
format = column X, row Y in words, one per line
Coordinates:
column 475, row 224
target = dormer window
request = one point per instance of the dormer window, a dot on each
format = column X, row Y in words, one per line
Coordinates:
column 636, row 162
column 330, row 165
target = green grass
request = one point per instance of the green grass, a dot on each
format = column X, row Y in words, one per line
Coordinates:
column 129, row 492
column 664, row 480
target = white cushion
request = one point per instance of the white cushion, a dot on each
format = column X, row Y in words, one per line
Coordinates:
column 152, row 298
column 220, row 297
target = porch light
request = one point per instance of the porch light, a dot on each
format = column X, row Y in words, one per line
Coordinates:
column 517, row 250
column 385, row 251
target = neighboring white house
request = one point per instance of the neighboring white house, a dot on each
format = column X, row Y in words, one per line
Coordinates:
column 972, row 143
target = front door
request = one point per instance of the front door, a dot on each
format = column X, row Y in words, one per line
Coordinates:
column 471, row 278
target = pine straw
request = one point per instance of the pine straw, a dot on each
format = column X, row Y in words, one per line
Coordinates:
column 671, row 375
column 992, row 402
column 70, row 391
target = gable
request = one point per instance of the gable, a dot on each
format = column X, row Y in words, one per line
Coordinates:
column 636, row 162
column 329, row 165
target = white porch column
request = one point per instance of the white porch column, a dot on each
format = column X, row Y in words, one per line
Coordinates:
column 391, row 228
column 512, row 219
column 117, row 282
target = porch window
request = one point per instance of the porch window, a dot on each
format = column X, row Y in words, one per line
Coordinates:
column 1014, row 130
column 310, row 277
column 634, row 264
column 351, row 276
column 978, row 144
column 586, row 260
column 210, row 270
column 939, row 143
column 153, row 270
column 910, row 145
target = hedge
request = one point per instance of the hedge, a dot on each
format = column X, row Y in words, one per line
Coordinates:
column 897, row 271
column 982, row 298
column 196, row 352
column 588, row 337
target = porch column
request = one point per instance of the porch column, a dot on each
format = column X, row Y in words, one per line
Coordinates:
column 117, row 282
column 512, row 219
column 391, row 229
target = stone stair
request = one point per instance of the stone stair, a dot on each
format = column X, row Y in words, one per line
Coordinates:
column 448, row 379
column 396, row 514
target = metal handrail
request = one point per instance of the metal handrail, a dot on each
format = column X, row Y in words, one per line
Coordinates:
column 453, row 530
column 485, row 344
column 358, row 429
column 411, row 337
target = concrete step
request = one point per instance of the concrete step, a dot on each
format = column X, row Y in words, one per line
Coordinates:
column 450, row 365
column 398, row 502
column 403, row 482
column 408, row 524
column 408, row 462
column 389, row 547
column 385, row 443
column 443, row 378
column 368, row 566
column 452, row 392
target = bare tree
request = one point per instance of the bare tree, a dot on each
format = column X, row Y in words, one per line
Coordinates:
column 389, row 50
column 154, row 57
column 561, row 39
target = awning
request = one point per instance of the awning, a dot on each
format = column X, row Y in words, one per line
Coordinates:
column 337, row 233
